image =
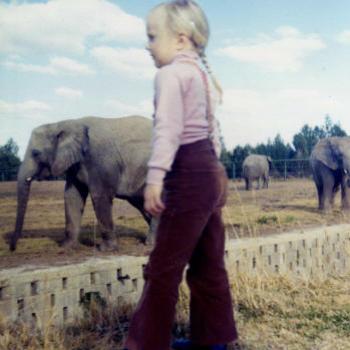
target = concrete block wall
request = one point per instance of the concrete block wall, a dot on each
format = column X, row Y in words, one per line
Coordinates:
column 52, row 295
column 315, row 252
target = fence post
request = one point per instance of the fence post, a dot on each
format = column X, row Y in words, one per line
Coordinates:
column 233, row 170
column 285, row 170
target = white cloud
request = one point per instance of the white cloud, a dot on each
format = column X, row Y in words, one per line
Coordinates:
column 29, row 106
column 69, row 93
column 252, row 116
column 19, row 118
column 283, row 52
column 117, row 107
column 56, row 65
column 25, row 67
column 133, row 62
column 70, row 66
column 64, row 25
column 344, row 37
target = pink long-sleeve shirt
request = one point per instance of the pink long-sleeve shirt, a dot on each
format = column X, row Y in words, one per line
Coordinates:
column 180, row 113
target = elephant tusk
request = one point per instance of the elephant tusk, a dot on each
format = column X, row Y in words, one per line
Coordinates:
column 29, row 179
column 346, row 171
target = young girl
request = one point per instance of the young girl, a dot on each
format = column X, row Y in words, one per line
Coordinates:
column 186, row 186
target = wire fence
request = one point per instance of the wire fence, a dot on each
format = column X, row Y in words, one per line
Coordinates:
column 281, row 168
column 290, row 168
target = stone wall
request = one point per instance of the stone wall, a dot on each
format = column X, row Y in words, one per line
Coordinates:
column 52, row 295
column 315, row 252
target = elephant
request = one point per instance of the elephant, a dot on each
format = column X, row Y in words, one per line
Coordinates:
column 103, row 157
column 330, row 165
column 256, row 167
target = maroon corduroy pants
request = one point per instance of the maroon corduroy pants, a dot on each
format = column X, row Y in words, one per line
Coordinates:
column 191, row 232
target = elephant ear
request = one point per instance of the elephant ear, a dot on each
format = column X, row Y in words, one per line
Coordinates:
column 72, row 145
column 327, row 151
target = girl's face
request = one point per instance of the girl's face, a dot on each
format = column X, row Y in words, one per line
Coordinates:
column 163, row 44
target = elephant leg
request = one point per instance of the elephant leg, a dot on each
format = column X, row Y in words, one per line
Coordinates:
column 103, row 209
column 320, row 196
column 345, row 194
column 138, row 203
column 266, row 181
column 335, row 191
column 258, row 183
column 151, row 239
column 246, row 183
column 249, row 184
column 328, row 198
column 75, row 195
column 328, row 190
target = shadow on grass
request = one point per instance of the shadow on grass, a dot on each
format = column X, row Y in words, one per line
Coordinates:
column 88, row 236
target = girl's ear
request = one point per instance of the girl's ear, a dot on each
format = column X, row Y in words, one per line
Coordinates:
column 180, row 41
column 183, row 42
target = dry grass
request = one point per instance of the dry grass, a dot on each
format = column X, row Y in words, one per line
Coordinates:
column 272, row 312
column 103, row 327
column 281, row 312
column 286, row 205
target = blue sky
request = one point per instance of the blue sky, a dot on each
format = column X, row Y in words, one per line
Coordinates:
column 281, row 63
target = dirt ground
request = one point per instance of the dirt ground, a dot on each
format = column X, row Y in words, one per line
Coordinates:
column 285, row 206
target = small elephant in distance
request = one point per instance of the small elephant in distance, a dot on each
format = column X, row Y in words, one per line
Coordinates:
column 103, row 157
column 330, row 165
column 256, row 167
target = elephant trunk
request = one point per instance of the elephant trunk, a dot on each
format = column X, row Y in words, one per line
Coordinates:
column 24, row 178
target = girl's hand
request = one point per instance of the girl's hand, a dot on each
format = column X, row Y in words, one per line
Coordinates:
column 153, row 202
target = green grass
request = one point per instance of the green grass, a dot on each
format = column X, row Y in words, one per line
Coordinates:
column 267, row 219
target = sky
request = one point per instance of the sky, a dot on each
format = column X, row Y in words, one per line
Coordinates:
column 282, row 64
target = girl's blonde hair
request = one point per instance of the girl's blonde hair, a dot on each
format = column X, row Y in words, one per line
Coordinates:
column 186, row 17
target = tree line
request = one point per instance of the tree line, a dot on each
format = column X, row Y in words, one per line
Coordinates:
column 301, row 147
column 9, row 161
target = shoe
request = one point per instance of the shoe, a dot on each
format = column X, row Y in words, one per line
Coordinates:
column 182, row 344
column 185, row 344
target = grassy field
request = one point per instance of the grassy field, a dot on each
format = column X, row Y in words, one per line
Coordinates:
column 272, row 312
column 286, row 205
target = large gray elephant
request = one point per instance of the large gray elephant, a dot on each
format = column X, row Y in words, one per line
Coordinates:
column 103, row 157
column 256, row 167
column 330, row 164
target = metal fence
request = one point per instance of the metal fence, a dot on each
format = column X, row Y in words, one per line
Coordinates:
column 290, row 168
column 282, row 168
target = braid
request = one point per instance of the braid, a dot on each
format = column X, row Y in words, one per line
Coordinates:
column 215, row 82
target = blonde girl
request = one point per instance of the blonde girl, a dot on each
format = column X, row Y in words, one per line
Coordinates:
column 185, row 187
